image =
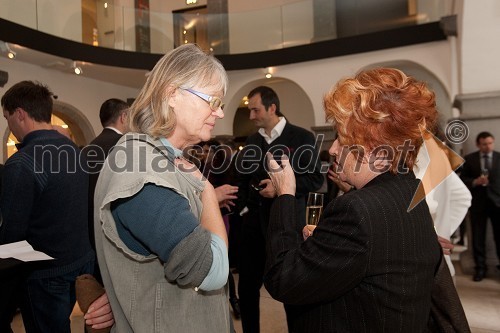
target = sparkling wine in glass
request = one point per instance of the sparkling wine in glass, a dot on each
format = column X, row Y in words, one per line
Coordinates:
column 314, row 208
column 485, row 173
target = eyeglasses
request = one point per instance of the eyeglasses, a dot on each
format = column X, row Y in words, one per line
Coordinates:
column 214, row 102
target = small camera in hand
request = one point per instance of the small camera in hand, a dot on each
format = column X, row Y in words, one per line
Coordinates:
column 255, row 185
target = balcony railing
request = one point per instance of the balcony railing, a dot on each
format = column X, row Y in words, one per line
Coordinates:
column 235, row 32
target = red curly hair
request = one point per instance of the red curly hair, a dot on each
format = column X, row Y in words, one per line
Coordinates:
column 382, row 107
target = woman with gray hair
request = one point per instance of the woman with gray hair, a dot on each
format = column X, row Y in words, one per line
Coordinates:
column 160, row 238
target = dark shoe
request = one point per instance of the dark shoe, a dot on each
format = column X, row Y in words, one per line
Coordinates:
column 235, row 304
column 480, row 274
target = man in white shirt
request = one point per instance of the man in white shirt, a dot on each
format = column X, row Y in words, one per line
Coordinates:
column 256, row 192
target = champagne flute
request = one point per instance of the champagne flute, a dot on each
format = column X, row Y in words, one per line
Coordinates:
column 314, row 208
column 485, row 173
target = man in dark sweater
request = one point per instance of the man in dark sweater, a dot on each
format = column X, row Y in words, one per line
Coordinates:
column 44, row 201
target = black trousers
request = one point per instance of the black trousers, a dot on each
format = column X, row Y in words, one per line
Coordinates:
column 251, row 263
column 13, row 273
column 479, row 219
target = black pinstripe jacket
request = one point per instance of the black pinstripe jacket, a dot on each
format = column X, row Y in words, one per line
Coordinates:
column 369, row 266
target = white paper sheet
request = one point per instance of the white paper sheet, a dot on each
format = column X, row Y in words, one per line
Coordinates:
column 22, row 251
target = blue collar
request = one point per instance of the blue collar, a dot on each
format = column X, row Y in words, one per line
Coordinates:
column 172, row 149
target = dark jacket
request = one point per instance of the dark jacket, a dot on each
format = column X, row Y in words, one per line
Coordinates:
column 368, row 267
column 471, row 170
column 96, row 153
column 251, row 166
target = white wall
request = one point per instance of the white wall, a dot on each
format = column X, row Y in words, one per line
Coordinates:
column 162, row 26
column 61, row 18
column 479, row 36
column 84, row 94
column 317, row 77
column 20, row 12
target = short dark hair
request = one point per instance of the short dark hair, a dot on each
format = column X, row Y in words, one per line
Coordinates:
column 33, row 97
column 484, row 135
column 268, row 97
column 111, row 110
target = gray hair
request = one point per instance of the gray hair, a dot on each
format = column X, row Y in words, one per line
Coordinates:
column 186, row 66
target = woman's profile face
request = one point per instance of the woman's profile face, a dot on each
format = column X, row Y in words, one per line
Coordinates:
column 349, row 166
column 194, row 115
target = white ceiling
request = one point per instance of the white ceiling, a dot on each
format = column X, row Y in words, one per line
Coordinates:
column 134, row 78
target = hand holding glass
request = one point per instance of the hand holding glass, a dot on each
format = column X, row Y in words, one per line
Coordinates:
column 314, row 208
column 485, row 173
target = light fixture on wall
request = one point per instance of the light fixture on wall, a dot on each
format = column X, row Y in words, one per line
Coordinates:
column 76, row 69
column 269, row 73
column 191, row 2
column 245, row 100
column 4, row 47
column 11, row 54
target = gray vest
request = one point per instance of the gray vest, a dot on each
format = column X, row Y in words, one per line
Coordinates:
column 141, row 298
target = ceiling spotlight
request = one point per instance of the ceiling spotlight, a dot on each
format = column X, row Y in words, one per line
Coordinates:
column 269, row 72
column 76, row 69
column 11, row 54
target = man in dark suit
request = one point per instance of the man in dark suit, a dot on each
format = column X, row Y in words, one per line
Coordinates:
column 256, row 193
column 481, row 173
column 113, row 116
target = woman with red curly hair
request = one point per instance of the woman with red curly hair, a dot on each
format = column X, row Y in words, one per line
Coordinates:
column 369, row 266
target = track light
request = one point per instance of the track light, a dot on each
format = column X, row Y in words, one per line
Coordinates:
column 76, row 69
column 11, row 54
column 269, row 73
column 6, row 48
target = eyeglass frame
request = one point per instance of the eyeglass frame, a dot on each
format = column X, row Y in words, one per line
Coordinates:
column 211, row 100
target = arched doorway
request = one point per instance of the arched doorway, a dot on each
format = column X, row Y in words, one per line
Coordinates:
column 77, row 123
column 294, row 103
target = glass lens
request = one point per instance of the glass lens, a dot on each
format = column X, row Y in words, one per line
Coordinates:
column 216, row 103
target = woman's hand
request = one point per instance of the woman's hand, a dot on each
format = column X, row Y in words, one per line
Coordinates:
column 268, row 191
column 446, row 245
column 308, row 231
column 225, row 195
column 226, row 192
column 282, row 177
column 99, row 314
column 334, row 177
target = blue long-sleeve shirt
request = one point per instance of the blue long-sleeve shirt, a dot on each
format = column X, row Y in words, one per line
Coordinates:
column 156, row 219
